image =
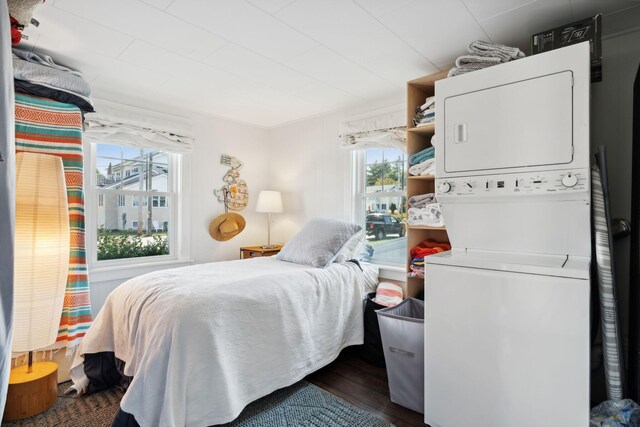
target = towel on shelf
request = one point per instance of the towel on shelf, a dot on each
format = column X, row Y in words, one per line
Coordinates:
column 430, row 215
column 43, row 91
column 427, row 167
column 482, row 55
column 428, row 103
column 429, row 247
column 52, row 77
column 42, row 59
column 475, row 61
column 421, row 200
column 505, row 53
column 417, row 267
column 421, row 156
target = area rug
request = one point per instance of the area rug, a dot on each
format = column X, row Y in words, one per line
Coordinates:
column 302, row 404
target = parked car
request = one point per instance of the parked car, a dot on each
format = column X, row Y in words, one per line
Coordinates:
column 380, row 225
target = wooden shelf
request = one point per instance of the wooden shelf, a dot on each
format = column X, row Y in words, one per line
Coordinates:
column 425, row 227
column 419, row 138
column 423, row 130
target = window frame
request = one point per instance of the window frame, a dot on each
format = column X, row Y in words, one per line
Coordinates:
column 178, row 252
column 359, row 197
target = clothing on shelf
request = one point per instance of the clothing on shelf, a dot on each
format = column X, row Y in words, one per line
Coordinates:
column 424, row 249
column 425, row 113
column 42, row 59
column 483, row 55
column 421, row 200
column 428, row 167
column 430, row 215
column 421, row 156
column 39, row 75
column 429, row 247
column 43, row 91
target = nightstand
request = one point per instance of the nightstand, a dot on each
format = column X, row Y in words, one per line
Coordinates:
column 258, row 251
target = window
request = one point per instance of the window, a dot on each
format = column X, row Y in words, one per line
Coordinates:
column 143, row 226
column 136, row 200
column 159, row 202
column 379, row 205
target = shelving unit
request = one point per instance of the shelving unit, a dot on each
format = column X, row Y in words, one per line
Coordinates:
column 419, row 138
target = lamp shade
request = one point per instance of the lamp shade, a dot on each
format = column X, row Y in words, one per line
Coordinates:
column 41, row 250
column 269, row 202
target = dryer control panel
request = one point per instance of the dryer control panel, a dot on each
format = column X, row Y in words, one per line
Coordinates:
column 513, row 185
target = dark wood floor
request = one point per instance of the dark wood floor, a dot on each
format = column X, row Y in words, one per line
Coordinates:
column 365, row 386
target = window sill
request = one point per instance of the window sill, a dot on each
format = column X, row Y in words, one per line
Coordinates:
column 392, row 272
column 127, row 270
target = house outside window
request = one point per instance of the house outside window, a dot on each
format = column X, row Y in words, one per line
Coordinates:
column 380, row 202
column 142, row 228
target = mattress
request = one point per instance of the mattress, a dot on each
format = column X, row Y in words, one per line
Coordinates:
column 201, row 342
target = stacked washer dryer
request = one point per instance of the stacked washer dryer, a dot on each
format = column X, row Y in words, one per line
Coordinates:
column 507, row 310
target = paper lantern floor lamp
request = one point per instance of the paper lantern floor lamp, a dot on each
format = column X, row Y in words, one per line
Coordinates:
column 41, row 269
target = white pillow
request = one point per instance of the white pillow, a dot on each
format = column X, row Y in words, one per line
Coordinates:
column 352, row 249
column 318, row 242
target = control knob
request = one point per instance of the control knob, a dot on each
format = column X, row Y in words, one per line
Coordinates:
column 569, row 180
column 444, row 187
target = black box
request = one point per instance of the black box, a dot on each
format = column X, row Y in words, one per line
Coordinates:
column 589, row 29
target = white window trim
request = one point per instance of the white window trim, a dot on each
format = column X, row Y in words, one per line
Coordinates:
column 179, row 239
column 358, row 197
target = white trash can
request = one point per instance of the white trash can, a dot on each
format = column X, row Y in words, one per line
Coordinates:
column 402, row 331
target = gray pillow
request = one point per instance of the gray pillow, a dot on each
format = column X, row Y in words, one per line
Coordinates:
column 318, row 243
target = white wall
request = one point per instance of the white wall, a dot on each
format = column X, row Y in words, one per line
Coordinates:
column 611, row 125
column 312, row 172
column 247, row 143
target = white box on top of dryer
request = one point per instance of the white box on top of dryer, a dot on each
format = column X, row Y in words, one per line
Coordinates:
column 532, row 113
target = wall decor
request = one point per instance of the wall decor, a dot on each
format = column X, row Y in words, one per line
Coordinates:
column 238, row 192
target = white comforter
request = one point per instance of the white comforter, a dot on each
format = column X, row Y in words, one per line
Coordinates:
column 201, row 342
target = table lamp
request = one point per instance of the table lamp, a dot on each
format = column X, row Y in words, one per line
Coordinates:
column 269, row 202
column 41, row 269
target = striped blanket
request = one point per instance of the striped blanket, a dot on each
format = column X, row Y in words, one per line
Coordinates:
column 49, row 127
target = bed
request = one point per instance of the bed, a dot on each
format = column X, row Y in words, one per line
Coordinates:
column 202, row 342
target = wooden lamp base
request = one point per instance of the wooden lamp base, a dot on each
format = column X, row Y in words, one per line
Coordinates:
column 31, row 393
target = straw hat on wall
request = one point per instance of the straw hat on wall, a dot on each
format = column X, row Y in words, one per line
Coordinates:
column 227, row 226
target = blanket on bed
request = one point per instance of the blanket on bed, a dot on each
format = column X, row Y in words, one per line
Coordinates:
column 201, row 342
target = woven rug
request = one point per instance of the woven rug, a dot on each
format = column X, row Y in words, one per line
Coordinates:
column 302, row 404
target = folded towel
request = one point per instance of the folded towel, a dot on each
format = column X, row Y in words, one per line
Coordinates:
column 505, row 53
column 476, row 61
column 42, row 59
column 421, row 156
column 455, row 71
column 428, row 103
column 430, row 215
column 51, row 77
column 424, row 168
column 421, row 200
column 429, row 247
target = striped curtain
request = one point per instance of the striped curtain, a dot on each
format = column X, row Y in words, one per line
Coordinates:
column 50, row 127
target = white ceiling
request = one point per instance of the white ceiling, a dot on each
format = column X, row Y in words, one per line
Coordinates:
column 269, row 62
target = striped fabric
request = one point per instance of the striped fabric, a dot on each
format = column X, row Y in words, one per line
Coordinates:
column 49, row 127
column 611, row 337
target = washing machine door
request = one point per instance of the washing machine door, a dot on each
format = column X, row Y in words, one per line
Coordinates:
column 523, row 123
column 505, row 349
